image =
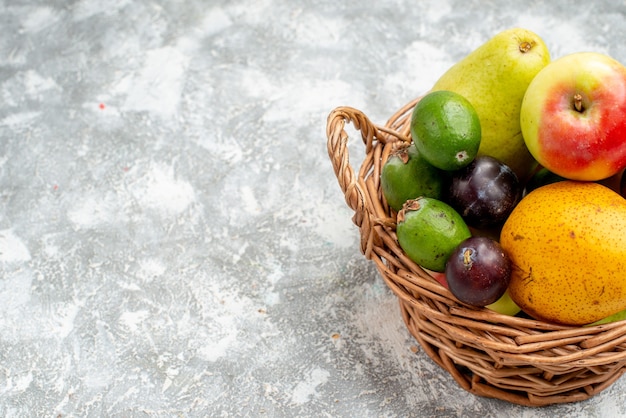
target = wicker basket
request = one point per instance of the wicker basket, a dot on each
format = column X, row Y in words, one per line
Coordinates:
column 519, row 360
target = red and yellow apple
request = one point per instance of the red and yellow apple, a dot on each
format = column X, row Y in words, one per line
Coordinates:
column 573, row 116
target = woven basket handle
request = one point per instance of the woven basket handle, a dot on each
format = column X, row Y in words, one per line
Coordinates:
column 338, row 152
column 358, row 197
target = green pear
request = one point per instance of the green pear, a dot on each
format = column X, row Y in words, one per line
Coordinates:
column 494, row 78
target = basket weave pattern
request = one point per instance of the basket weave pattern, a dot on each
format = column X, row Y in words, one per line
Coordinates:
column 518, row 360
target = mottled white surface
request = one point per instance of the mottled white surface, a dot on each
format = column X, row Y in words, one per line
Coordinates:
column 173, row 241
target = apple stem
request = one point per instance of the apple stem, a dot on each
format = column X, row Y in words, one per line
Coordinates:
column 578, row 102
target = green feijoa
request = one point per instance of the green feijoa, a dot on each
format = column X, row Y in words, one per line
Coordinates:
column 446, row 130
column 406, row 175
column 429, row 230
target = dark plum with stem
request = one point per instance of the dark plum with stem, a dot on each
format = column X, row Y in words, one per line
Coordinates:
column 484, row 192
column 478, row 271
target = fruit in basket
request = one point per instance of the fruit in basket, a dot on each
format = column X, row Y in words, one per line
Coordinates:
column 428, row 230
column 406, row 175
column 620, row 316
column 505, row 305
column 567, row 245
column 478, row 271
column 446, row 130
column 542, row 177
column 440, row 277
column 573, row 116
column 612, row 182
column 494, row 78
column 484, row 193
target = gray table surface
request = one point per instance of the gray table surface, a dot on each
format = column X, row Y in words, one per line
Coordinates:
column 173, row 241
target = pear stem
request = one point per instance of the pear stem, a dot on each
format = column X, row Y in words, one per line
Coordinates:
column 578, row 102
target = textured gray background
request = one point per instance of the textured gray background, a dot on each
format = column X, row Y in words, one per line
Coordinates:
column 173, row 241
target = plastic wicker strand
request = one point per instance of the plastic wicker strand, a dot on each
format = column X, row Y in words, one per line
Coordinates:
column 518, row 360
